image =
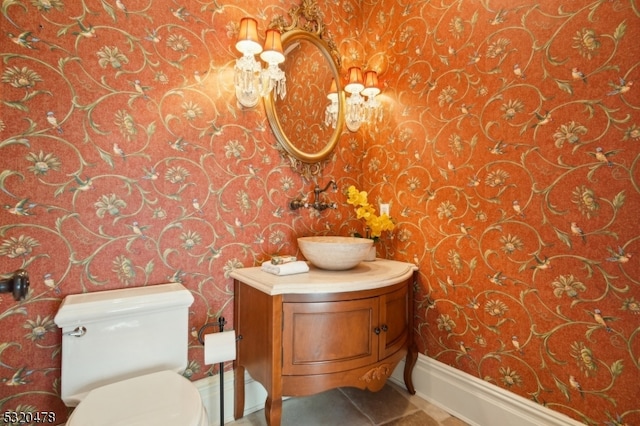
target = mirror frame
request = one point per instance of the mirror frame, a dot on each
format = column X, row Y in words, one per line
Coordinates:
column 312, row 30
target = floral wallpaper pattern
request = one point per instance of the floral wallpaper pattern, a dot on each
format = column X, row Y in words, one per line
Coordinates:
column 508, row 151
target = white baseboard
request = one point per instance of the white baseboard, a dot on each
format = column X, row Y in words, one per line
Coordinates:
column 476, row 401
column 209, row 387
column 470, row 399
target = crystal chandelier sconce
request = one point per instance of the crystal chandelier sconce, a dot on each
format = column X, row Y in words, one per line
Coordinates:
column 355, row 114
column 250, row 80
column 331, row 112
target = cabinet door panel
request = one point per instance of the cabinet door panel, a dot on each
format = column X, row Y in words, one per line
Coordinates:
column 395, row 316
column 329, row 337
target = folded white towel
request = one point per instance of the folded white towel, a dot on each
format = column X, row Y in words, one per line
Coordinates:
column 290, row 268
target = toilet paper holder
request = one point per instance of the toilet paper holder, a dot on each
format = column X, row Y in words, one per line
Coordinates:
column 220, row 324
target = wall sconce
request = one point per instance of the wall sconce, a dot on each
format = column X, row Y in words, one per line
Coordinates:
column 331, row 112
column 251, row 81
column 355, row 103
column 359, row 109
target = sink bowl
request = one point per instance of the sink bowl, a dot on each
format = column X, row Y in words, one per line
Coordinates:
column 334, row 253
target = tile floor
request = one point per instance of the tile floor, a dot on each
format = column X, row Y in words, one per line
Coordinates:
column 354, row 407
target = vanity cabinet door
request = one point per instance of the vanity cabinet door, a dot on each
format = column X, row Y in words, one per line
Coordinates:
column 329, row 337
column 394, row 321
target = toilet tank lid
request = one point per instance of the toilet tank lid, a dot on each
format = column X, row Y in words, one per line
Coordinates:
column 85, row 307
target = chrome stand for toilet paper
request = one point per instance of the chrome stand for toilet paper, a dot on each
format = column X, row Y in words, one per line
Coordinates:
column 220, row 324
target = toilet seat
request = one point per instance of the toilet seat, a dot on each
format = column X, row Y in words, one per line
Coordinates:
column 158, row 399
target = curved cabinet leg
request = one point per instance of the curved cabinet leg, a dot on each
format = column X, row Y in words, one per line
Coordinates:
column 238, row 406
column 273, row 411
column 410, row 362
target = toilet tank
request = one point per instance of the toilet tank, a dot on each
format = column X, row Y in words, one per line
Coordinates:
column 108, row 336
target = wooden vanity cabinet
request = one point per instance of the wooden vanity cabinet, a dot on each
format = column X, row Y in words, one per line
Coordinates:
column 302, row 344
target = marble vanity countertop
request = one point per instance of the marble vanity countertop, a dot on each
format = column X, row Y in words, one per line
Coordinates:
column 365, row 276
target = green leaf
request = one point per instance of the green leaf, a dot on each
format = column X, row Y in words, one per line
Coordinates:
column 617, row 367
column 563, row 237
column 620, row 31
column 565, row 86
column 563, row 388
column 619, row 199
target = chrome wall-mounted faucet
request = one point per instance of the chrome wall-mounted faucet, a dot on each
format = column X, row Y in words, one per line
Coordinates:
column 317, row 204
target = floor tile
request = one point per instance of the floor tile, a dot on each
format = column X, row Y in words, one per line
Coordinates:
column 382, row 406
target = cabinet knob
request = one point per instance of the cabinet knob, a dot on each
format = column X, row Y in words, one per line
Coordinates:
column 376, row 330
column 385, row 328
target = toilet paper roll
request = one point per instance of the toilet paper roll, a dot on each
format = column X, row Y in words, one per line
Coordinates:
column 219, row 347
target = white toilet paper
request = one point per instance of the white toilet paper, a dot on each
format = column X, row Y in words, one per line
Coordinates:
column 219, row 347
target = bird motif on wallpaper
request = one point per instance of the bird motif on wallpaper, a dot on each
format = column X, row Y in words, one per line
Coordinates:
column 53, row 121
column 122, row 7
column 499, row 17
column 542, row 119
column 620, row 88
column 576, row 74
column 602, row 156
column 576, row 231
column 465, row 350
column 24, row 39
column 601, row 320
column 150, row 174
column 517, row 208
column 21, row 208
column 179, row 144
column 474, row 58
column 119, row 151
column 137, row 229
column 541, row 264
column 140, row 89
column 181, row 13
column 50, row 282
column 152, row 35
column 516, row 344
column 498, row 148
column 86, row 32
column 619, row 256
column 18, row 378
column 497, row 278
column 465, row 230
column 518, row 72
column 196, row 205
column 576, row 385
column 82, row 185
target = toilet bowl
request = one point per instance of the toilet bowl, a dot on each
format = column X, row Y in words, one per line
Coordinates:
column 160, row 399
column 123, row 352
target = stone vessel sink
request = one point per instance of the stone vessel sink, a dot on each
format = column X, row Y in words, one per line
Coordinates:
column 334, row 253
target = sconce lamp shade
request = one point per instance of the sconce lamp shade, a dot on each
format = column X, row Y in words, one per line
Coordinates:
column 355, row 84
column 248, row 42
column 370, row 84
column 333, row 92
column 272, row 53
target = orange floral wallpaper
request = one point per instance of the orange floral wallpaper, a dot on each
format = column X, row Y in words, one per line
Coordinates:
column 509, row 153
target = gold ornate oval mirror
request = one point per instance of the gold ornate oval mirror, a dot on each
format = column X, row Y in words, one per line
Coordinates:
column 298, row 120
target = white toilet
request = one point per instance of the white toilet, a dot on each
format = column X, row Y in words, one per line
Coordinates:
column 122, row 355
